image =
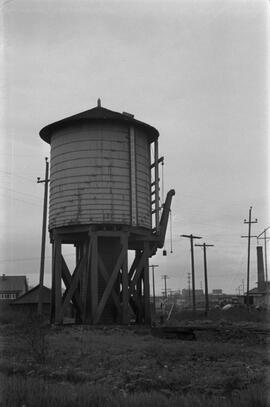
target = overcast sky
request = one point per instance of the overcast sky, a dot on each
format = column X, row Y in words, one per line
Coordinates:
column 195, row 70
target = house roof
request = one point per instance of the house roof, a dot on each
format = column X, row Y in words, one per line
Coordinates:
column 98, row 113
column 13, row 283
column 32, row 296
column 260, row 291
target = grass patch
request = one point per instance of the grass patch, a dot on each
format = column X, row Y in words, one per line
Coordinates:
column 88, row 366
column 19, row 391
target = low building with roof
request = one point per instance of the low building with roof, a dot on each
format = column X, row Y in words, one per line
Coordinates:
column 28, row 302
column 259, row 296
column 12, row 287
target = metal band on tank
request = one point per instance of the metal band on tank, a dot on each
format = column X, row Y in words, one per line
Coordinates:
column 133, row 189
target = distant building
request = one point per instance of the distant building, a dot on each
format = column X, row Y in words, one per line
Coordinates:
column 28, row 302
column 11, row 287
column 259, row 296
column 217, row 291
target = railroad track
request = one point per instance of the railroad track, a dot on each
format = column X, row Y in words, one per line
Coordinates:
column 189, row 332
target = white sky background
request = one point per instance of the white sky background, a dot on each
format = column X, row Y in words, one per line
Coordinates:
column 195, row 70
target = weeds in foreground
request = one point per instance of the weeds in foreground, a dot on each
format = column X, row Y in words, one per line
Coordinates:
column 18, row 391
column 34, row 334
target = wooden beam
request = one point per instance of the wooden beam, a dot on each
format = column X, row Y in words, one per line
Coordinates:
column 144, row 257
column 74, row 282
column 86, row 283
column 125, row 291
column 66, row 276
column 106, row 277
column 109, row 286
column 110, row 233
column 57, row 280
column 134, row 264
column 146, row 291
column 94, row 275
column 53, row 285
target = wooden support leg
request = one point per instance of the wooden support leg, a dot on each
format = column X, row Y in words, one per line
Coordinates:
column 139, row 277
column 146, row 289
column 125, row 291
column 79, row 313
column 94, row 276
column 53, row 285
column 57, row 281
column 106, row 277
column 140, row 316
column 109, row 287
column 84, row 279
column 87, row 293
column 76, row 299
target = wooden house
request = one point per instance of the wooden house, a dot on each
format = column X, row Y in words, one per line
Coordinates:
column 11, row 287
column 28, row 302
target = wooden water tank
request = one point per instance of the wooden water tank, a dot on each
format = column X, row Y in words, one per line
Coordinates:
column 100, row 170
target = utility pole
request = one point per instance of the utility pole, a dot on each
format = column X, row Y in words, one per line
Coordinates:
column 192, row 237
column 189, row 290
column 43, row 239
column 153, row 279
column 165, row 277
column 265, row 238
column 243, row 286
column 249, row 222
column 204, row 245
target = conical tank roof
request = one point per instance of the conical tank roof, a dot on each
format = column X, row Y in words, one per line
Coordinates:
column 98, row 113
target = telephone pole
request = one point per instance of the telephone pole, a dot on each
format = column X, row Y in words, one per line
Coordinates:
column 249, row 222
column 204, row 245
column 153, row 279
column 43, row 239
column 165, row 277
column 189, row 290
column 192, row 237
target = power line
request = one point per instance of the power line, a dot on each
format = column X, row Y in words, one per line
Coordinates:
column 15, row 174
column 22, row 200
column 20, row 192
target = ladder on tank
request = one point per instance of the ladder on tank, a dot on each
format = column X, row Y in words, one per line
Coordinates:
column 155, row 190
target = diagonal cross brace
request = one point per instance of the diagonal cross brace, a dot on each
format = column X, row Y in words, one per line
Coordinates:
column 140, row 266
column 134, row 265
column 67, row 278
column 106, row 277
column 74, row 282
column 110, row 284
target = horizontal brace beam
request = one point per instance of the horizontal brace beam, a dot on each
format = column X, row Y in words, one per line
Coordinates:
column 154, row 183
column 154, row 210
column 154, row 201
column 111, row 233
column 160, row 160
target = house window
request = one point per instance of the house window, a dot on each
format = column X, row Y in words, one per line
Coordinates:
column 10, row 296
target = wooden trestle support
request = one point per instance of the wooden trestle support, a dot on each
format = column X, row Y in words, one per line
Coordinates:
column 101, row 288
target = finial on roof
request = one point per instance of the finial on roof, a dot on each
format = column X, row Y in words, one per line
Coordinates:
column 99, row 102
